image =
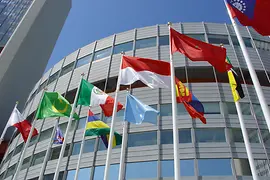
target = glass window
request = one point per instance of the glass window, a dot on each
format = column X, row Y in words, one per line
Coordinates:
column 184, row 136
column 18, row 149
column 67, row 69
column 210, row 135
column 245, row 108
column 246, row 41
column 71, row 175
column 167, row 136
column 119, row 116
column 102, row 147
column 253, row 136
column 53, row 77
column 84, row 174
column 242, row 167
column 164, row 40
column 165, row 109
column 262, row 45
column 50, row 176
column 33, row 140
column 81, row 123
column 258, row 110
column 199, row 37
column 262, row 167
column 102, row 53
column 186, row 166
column 236, row 135
column 56, row 152
column 181, row 110
column 214, row 167
column 142, row 139
column 8, row 157
column 230, row 108
column 84, row 60
column 218, row 39
column 45, row 134
column 63, row 128
column 99, row 172
column 38, row 158
column 114, row 172
column 128, row 46
column 89, row 145
column 76, row 148
column 147, row 170
column 11, row 170
column 26, row 163
column 42, row 86
column 146, row 43
column 265, row 136
column 211, row 107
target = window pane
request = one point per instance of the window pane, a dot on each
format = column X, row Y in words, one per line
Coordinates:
column 81, row 123
column 181, row 110
column 258, row 110
column 18, row 149
column 128, row 46
column 210, row 135
column 102, row 53
column 211, row 108
column 84, row 60
column 67, row 69
column 253, row 136
column 186, row 166
column 265, row 136
column 33, row 140
column 45, row 134
column 246, row 41
column 50, row 176
column 164, row 40
column 84, row 174
column 262, row 167
column 242, row 167
column 166, row 137
column 218, row 39
column 89, row 145
column 199, row 37
column 145, row 43
column 214, row 167
column 56, row 152
column 119, row 116
column 99, row 172
column 165, row 109
column 114, row 172
column 38, row 158
column 26, row 163
column 76, row 148
column 142, row 139
column 236, row 135
column 230, row 108
column 245, row 108
column 71, row 175
column 184, row 136
column 147, row 170
column 53, row 77
column 11, row 170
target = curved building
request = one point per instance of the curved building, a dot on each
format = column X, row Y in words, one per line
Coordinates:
column 212, row 151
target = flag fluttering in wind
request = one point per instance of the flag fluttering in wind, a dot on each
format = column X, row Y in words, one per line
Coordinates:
column 193, row 106
column 255, row 13
column 197, row 50
column 54, row 104
column 16, row 119
column 96, row 127
column 90, row 95
column 153, row 73
column 136, row 112
column 59, row 138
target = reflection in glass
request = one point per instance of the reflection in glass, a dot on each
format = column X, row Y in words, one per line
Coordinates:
column 84, row 60
column 166, row 137
column 99, row 172
column 102, row 53
column 142, row 139
column 38, row 158
column 26, row 163
column 184, row 136
column 45, row 134
column 262, row 167
column 146, row 43
column 81, row 123
column 214, row 167
column 258, row 110
column 147, row 170
column 218, row 39
column 71, row 175
column 245, row 108
column 76, row 148
column 165, row 109
column 211, row 107
column 114, row 169
column 128, row 46
column 84, row 174
column 230, row 108
column 89, row 145
column 242, row 167
column 236, row 135
column 210, row 135
column 186, row 166
column 163, row 40
column 199, row 37
column 265, row 136
column 67, row 69
column 119, row 116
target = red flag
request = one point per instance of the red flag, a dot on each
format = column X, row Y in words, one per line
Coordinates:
column 197, row 50
column 107, row 108
column 255, row 13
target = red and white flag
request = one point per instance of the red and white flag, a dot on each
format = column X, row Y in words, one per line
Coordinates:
column 16, row 119
column 153, row 73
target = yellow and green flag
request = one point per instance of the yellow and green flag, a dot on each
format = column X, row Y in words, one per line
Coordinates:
column 54, row 104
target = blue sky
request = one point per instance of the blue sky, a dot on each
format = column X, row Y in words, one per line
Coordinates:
column 91, row 20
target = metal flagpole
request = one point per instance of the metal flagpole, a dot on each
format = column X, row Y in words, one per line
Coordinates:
column 246, row 140
column 123, row 147
column 252, row 72
column 67, row 130
column 5, row 130
column 109, row 151
column 174, row 111
column 81, row 150
column 27, row 142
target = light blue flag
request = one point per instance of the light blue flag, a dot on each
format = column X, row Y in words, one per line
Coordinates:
column 136, row 112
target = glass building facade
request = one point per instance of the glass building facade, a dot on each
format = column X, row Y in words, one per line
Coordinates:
column 207, row 151
column 11, row 13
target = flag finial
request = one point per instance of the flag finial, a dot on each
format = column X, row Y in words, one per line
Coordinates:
column 169, row 23
column 221, row 45
column 17, row 102
column 122, row 52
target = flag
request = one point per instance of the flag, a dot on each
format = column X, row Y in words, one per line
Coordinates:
column 90, row 95
column 59, row 138
column 96, row 127
column 16, row 119
column 153, row 73
column 253, row 13
column 197, row 50
column 136, row 112
column 54, row 105
column 235, row 84
column 191, row 103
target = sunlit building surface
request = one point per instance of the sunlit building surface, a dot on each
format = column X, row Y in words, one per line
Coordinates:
column 212, row 151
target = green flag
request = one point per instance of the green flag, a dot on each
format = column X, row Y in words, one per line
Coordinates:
column 54, row 105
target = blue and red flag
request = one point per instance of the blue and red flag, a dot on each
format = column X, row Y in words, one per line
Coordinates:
column 191, row 103
column 59, row 138
column 255, row 13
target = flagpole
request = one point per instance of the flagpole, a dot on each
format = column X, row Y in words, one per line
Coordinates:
column 67, row 131
column 252, row 72
column 174, row 111
column 5, row 130
column 27, row 142
column 109, row 150
column 123, row 146
column 81, row 149
column 246, row 141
